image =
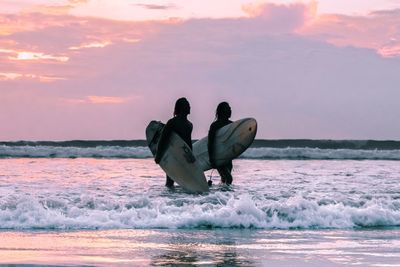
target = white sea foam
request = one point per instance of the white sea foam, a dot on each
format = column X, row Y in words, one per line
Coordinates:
column 317, row 153
column 217, row 211
column 113, row 194
column 73, row 152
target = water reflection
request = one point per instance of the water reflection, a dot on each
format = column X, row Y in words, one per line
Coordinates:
column 211, row 248
column 175, row 258
column 232, row 259
column 193, row 258
column 202, row 248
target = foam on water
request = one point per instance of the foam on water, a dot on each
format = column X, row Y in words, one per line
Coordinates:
column 218, row 210
column 114, row 194
column 74, row 152
column 317, row 153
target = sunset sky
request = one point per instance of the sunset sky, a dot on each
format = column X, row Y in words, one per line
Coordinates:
column 100, row 69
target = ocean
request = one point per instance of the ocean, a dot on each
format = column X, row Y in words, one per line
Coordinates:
column 292, row 203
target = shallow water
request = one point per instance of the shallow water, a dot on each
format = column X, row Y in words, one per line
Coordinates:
column 193, row 247
column 284, row 213
column 118, row 193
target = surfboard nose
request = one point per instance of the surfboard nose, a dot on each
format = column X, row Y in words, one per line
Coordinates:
column 248, row 129
column 243, row 135
column 252, row 125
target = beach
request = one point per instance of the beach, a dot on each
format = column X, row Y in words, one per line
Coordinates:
column 217, row 247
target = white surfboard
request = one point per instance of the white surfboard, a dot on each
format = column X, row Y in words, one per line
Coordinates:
column 178, row 161
column 230, row 141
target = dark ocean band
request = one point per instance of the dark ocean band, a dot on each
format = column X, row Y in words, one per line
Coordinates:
column 279, row 143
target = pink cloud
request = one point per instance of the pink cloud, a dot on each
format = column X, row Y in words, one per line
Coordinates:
column 33, row 56
column 9, row 76
column 94, row 99
column 4, row 76
column 378, row 31
column 282, row 17
column 91, row 45
column 32, row 43
column 106, row 99
column 157, row 7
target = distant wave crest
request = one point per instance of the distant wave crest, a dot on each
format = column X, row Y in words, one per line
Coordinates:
column 302, row 153
column 73, row 152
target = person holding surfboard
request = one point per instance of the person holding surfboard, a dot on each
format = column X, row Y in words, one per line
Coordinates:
column 222, row 115
column 178, row 124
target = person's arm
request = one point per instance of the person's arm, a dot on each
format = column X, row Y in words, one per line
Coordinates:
column 190, row 134
column 162, row 143
column 211, row 144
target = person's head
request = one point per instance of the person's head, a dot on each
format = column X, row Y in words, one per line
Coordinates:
column 223, row 111
column 182, row 107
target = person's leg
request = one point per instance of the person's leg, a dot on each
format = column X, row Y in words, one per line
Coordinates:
column 222, row 174
column 225, row 173
column 169, row 182
column 229, row 168
column 228, row 176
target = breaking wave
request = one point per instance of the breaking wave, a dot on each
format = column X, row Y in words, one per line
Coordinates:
column 219, row 210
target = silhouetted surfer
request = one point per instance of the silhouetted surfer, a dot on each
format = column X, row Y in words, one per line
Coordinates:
column 222, row 115
column 178, row 124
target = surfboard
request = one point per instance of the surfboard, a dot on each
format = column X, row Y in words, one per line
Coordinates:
column 230, row 141
column 178, row 161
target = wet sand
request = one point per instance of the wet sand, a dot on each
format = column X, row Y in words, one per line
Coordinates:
column 223, row 247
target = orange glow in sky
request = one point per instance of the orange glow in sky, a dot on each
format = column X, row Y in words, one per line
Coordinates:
column 105, row 99
column 91, row 45
column 38, row 56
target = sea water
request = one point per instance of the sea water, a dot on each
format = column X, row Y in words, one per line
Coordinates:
column 81, row 209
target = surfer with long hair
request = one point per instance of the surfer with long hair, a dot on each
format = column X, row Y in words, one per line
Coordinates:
column 222, row 115
column 178, row 124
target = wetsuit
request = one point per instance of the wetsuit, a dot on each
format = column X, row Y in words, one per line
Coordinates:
column 182, row 127
column 224, row 171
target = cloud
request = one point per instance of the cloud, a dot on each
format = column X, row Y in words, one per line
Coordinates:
column 54, row 8
column 56, row 33
column 378, row 30
column 41, row 41
column 26, row 55
column 390, row 50
column 33, row 22
column 4, row 76
column 94, row 99
column 51, row 9
column 386, row 13
column 77, row 2
column 91, row 45
column 9, row 76
column 156, row 7
column 296, row 82
column 288, row 17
